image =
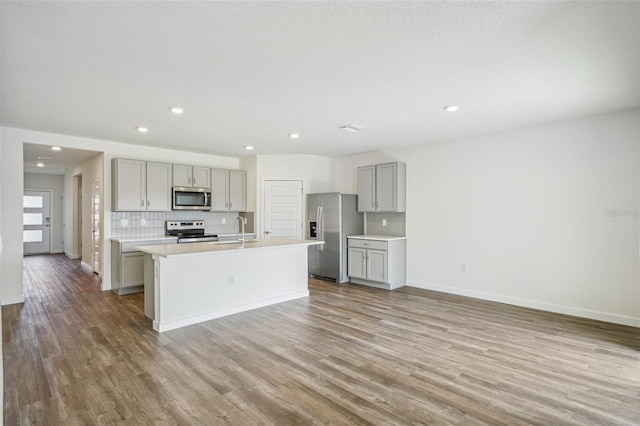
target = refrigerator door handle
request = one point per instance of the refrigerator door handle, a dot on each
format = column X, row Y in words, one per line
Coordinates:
column 320, row 228
column 318, row 223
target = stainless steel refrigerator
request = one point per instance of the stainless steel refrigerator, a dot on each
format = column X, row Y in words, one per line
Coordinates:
column 330, row 218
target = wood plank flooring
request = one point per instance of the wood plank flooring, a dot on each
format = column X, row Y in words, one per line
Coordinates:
column 347, row 355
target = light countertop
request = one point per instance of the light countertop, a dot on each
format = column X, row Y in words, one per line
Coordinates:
column 168, row 250
column 169, row 238
column 377, row 237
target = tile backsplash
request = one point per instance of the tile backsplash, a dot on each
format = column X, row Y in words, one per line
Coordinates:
column 154, row 222
column 395, row 224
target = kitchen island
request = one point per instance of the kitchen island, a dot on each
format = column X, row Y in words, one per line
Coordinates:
column 190, row 283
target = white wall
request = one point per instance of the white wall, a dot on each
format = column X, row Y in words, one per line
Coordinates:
column 528, row 211
column 91, row 170
column 11, row 177
column 314, row 171
column 1, row 256
column 54, row 183
column 11, row 181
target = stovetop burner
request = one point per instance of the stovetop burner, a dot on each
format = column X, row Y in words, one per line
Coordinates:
column 189, row 231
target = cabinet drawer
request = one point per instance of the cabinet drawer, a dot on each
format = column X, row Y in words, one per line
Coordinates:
column 368, row 244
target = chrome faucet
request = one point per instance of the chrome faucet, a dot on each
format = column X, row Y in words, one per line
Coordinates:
column 240, row 228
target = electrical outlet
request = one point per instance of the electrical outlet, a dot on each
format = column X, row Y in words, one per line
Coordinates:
column 143, row 222
column 232, row 279
column 384, row 222
column 124, row 223
column 224, row 220
column 463, row 267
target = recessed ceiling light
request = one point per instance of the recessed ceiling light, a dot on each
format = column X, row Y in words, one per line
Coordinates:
column 177, row 110
column 142, row 129
column 451, row 108
column 248, row 147
column 352, row 127
column 56, row 148
column 294, row 135
column 40, row 164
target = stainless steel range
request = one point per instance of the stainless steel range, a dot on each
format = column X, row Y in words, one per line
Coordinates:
column 188, row 231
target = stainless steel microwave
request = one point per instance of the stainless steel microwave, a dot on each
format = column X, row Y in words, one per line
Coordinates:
column 191, row 198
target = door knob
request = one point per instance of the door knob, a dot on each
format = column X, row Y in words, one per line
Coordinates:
column 267, row 232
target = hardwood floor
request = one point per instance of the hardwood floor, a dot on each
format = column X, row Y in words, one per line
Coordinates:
column 75, row 355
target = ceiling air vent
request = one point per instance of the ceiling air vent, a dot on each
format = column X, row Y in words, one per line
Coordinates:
column 352, row 127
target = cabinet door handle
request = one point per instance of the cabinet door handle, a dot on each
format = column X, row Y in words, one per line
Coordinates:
column 230, row 204
column 141, row 203
column 148, row 203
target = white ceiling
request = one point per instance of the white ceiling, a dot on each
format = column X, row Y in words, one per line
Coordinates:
column 55, row 162
column 250, row 73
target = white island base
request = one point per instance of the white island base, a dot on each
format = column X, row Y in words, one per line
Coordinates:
column 190, row 283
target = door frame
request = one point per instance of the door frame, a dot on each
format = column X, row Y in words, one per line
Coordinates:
column 77, row 213
column 260, row 221
column 96, row 256
column 50, row 232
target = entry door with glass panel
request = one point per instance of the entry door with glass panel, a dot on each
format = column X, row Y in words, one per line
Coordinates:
column 36, row 221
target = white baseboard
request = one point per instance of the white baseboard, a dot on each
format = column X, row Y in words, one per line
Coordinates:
column 171, row 325
column 559, row 309
column 12, row 300
column 71, row 255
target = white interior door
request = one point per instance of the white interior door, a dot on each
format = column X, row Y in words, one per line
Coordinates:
column 36, row 221
column 282, row 209
column 95, row 214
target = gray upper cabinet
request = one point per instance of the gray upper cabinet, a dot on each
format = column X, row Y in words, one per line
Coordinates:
column 219, row 190
column 139, row 185
column 191, row 176
column 159, row 186
column 182, row 175
column 228, row 190
column 367, row 189
column 237, row 190
column 382, row 188
column 129, row 186
column 201, row 177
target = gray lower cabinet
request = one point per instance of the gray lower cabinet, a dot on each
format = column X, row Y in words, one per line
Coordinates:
column 127, row 265
column 378, row 263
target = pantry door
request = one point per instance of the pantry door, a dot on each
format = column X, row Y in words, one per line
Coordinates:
column 282, row 209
